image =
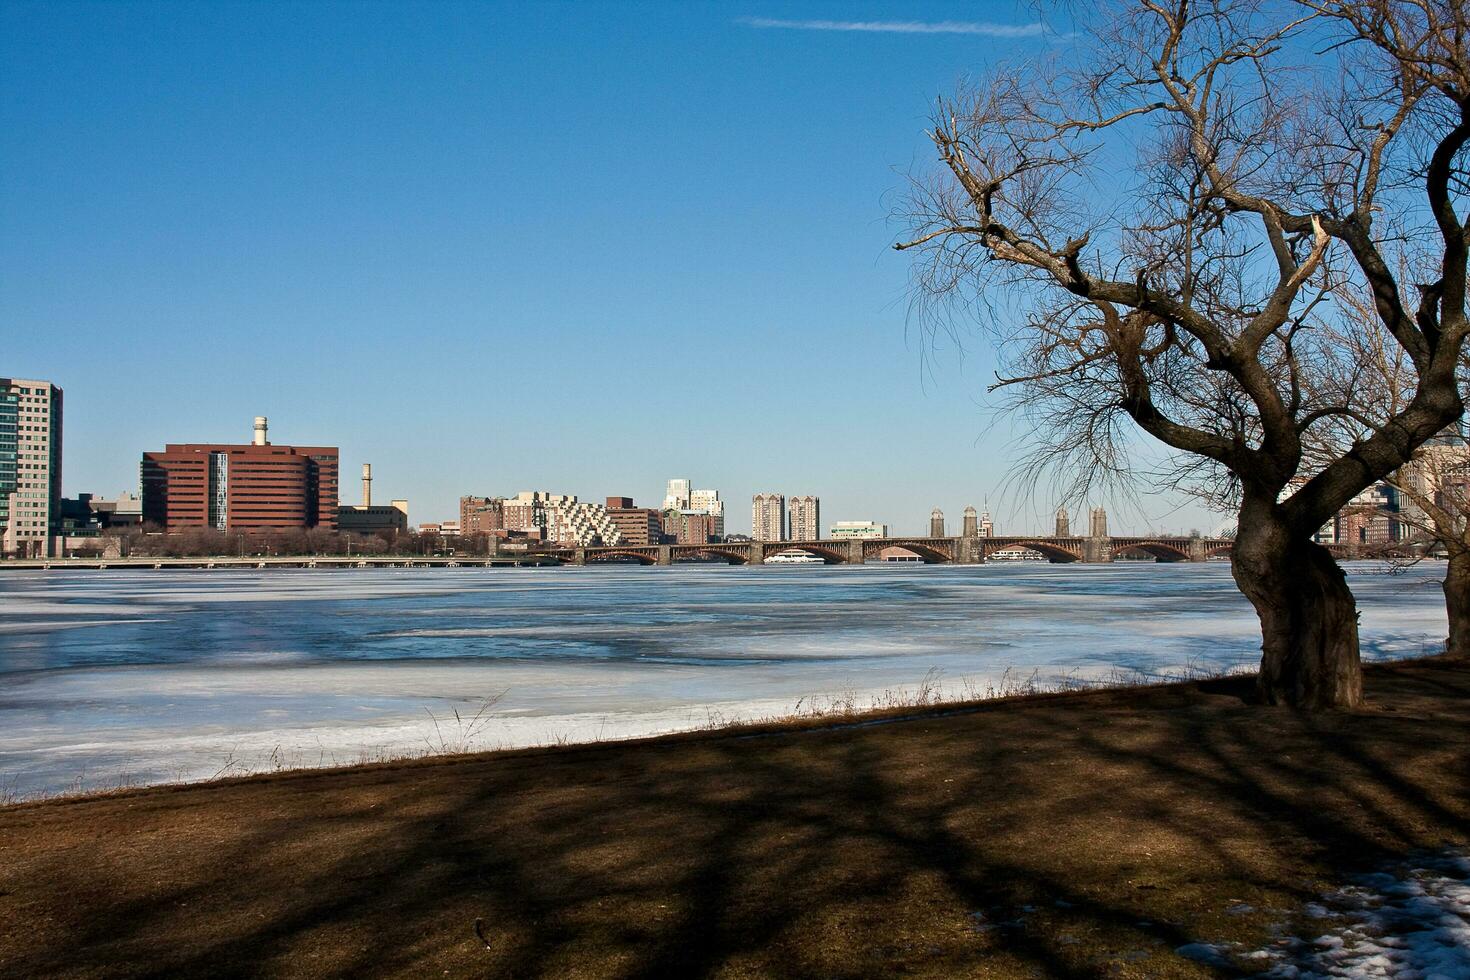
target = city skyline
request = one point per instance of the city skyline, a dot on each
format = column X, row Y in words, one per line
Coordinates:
column 371, row 228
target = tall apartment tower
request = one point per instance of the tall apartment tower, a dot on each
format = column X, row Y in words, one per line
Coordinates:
column 936, row 523
column 971, row 524
column 677, row 496
column 1064, row 523
column 805, row 521
column 768, row 517
column 1097, row 526
column 30, row 466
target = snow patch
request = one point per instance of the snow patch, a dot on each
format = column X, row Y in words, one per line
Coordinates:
column 1409, row 923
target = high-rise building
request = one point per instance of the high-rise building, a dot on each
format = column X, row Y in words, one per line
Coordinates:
column 805, row 520
column 987, row 526
column 30, row 466
column 768, row 517
column 677, row 497
column 1064, row 523
column 936, row 523
column 710, row 503
column 240, row 487
column 636, row 525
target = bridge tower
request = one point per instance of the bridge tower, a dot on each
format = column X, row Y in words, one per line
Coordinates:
column 1098, row 547
column 1064, row 523
column 971, row 524
column 936, row 523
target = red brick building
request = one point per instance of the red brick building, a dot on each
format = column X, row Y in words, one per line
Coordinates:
column 636, row 525
column 481, row 515
column 249, row 487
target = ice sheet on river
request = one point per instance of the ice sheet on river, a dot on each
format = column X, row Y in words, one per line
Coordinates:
column 162, row 675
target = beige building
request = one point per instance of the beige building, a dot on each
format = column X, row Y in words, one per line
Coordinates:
column 709, row 502
column 30, row 466
column 768, row 517
column 805, row 520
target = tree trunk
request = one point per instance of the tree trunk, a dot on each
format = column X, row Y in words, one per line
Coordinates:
column 1457, row 604
column 1309, row 619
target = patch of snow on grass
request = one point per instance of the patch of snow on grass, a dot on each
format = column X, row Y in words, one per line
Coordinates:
column 1412, row 924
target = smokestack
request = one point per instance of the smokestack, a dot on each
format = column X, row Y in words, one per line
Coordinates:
column 260, row 430
column 367, row 484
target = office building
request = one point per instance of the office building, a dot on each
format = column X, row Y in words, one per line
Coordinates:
column 858, row 529
column 635, row 525
column 804, row 521
column 30, row 467
column 768, row 517
column 373, row 519
column 240, row 487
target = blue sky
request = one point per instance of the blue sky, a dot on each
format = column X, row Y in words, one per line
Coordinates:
column 578, row 247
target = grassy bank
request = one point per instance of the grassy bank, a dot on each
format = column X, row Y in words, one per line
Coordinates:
column 1078, row 834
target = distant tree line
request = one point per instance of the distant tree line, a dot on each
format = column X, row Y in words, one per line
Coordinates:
column 204, row 542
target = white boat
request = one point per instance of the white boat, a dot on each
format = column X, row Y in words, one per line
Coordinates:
column 794, row 556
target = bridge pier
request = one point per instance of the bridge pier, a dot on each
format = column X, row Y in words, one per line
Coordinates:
column 665, row 554
column 1097, row 551
column 1197, row 549
column 579, row 556
column 755, row 553
column 855, row 552
column 969, row 551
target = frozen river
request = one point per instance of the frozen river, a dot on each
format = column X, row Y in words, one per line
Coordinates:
column 145, row 676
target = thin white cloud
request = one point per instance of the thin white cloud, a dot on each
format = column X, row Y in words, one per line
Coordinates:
column 981, row 28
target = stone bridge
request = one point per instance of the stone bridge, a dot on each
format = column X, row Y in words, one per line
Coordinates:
column 855, row 551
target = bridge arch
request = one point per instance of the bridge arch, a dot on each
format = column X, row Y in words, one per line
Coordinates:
column 929, row 554
column 731, row 557
column 1220, row 549
column 829, row 555
column 1052, row 552
column 1158, row 550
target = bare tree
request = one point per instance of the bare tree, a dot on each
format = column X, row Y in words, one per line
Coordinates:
column 1159, row 228
column 1434, row 486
